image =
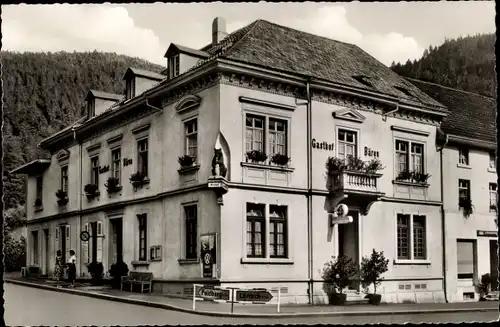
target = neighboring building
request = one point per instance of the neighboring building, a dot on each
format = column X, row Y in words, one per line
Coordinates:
column 265, row 88
column 469, row 180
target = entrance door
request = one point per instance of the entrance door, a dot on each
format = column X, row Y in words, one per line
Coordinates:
column 348, row 242
column 494, row 264
column 93, row 232
column 47, row 253
column 116, row 240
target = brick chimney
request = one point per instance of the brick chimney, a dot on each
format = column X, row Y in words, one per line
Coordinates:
column 218, row 30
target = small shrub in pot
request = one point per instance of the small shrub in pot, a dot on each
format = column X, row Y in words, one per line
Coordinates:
column 372, row 268
column 118, row 270
column 337, row 275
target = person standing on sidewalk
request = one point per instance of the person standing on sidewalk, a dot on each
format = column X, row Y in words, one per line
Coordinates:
column 59, row 268
column 72, row 268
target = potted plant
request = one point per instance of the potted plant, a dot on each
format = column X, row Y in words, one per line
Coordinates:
column 137, row 178
column 355, row 163
column 113, row 185
column 334, row 164
column 256, row 156
column 404, row 176
column 483, row 286
column 420, row 178
column 280, row 159
column 96, row 271
column 373, row 166
column 186, row 161
column 118, row 270
column 466, row 205
column 337, row 275
column 372, row 269
column 91, row 191
column 62, row 197
column 38, row 203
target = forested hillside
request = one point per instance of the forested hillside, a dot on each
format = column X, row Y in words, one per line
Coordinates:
column 43, row 93
column 466, row 63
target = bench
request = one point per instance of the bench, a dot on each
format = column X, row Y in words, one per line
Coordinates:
column 145, row 279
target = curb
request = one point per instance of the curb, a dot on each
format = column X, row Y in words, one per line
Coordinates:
column 241, row 315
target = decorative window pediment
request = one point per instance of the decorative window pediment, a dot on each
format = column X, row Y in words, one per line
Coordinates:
column 187, row 103
column 94, row 149
column 63, row 156
column 349, row 114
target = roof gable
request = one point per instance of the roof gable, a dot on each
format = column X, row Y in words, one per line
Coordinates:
column 103, row 95
column 270, row 45
column 131, row 71
column 176, row 48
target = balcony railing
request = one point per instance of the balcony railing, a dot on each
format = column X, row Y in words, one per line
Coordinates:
column 355, row 181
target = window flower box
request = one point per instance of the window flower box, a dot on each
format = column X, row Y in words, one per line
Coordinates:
column 38, row 205
column 91, row 191
column 112, row 185
column 467, row 206
column 62, row 197
column 414, row 177
column 256, row 156
column 280, row 159
column 188, row 165
column 138, row 179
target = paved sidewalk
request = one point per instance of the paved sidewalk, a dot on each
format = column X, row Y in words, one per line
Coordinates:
column 254, row 310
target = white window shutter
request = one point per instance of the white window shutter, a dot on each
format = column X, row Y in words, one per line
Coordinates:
column 85, row 245
column 99, row 241
column 68, row 241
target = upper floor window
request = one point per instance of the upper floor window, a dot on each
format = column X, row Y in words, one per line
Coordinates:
column 409, row 157
column 91, row 107
column 115, row 164
column 346, row 144
column 94, row 172
column 493, row 196
column 39, row 188
column 257, row 135
column 143, row 231
column 191, row 136
column 463, row 190
column 463, row 156
column 411, row 237
column 142, row 157
column 191, row 231
column 493, row 160
column 64, row 179
column 173, row 66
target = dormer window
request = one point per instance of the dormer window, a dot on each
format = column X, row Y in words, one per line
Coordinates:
column 173, row 66
column 130, row 91
column 363, row 80
column 404, row 90
column 91, row 107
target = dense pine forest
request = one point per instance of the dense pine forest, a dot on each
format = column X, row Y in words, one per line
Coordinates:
column 45, row 92
column 466, row 63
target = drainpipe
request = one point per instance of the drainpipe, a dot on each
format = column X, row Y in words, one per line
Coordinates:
column 152, row 107
column 384, row 116
column 443, row 217
column 80, row 193
column 309, row 191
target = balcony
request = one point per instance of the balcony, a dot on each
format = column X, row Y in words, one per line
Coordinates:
column 355, row 188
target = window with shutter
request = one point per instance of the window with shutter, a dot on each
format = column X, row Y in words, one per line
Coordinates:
column 68, row 241
column 99, row 241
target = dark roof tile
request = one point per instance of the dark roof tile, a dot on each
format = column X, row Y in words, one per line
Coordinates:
column 471, row 115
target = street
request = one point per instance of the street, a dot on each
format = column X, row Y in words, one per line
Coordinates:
column 31, row 306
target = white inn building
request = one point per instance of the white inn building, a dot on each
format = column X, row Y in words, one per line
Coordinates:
column 236, row 110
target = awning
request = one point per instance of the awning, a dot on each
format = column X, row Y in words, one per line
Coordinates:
column 34, row 167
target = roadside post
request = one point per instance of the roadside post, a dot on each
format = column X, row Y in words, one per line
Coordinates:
column 232, row 298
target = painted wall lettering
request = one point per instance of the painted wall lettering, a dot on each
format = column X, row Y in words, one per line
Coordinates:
column 103, row 169
column 371, row 153
column 322, row 145
column 127, row 161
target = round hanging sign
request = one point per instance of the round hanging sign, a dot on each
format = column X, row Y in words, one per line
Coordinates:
column 341, row 210
column 85, row 236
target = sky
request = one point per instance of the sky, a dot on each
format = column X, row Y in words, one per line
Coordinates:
column 389, row 31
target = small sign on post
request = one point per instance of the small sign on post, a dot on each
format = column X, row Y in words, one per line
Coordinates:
column 208, row 294
column 85, row 236
column 254, row 296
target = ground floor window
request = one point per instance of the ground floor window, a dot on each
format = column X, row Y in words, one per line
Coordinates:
column 35, row 256
column 411, row 237
column 466, row 259
column 191, row 234
column 266, row 226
